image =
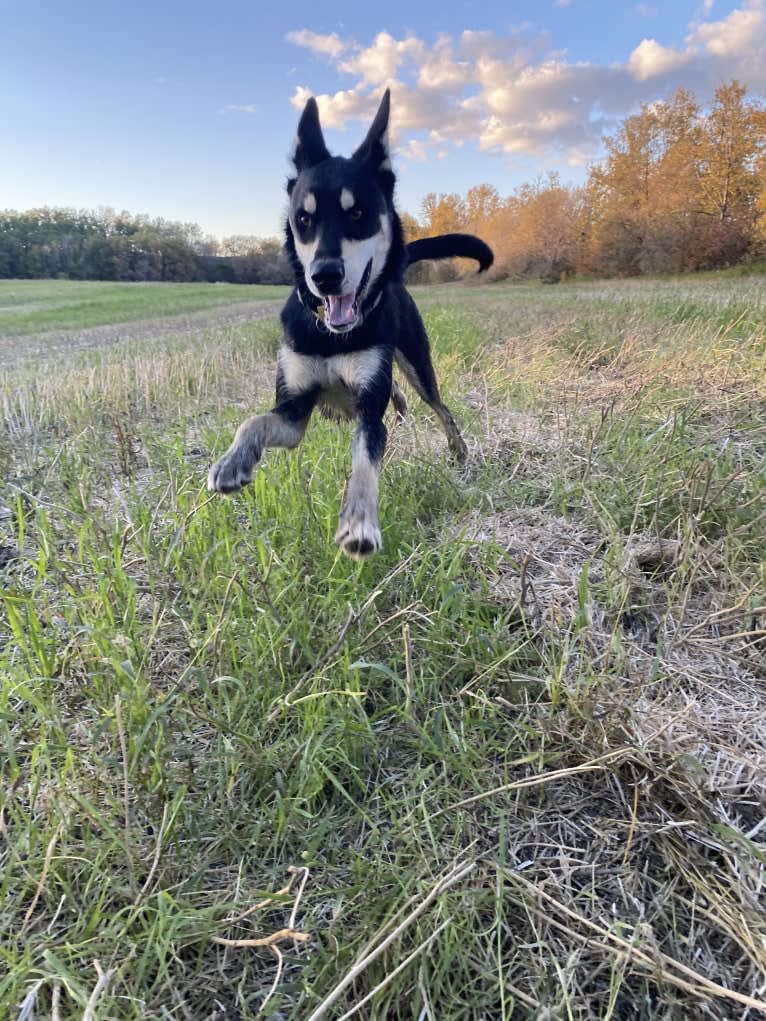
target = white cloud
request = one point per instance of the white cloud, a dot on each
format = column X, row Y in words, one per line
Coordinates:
column 649, row 59
column 379, row 63
column 241, row 107
column 414, row 150
column 336, row 110
column 442, row 69
column 733, row 35
column 327, row 45
column 517, row 94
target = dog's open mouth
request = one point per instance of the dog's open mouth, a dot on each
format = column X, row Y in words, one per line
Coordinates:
column 342, row 310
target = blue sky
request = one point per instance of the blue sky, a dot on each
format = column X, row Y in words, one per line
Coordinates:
column 188, row 110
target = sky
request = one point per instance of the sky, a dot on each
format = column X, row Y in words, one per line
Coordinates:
column 188, row 110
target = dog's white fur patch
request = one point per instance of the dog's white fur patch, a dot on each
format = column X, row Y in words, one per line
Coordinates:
column 356, row 254
column 310, row 203
column 355, row 370
column 307, row 253
column 347, row 200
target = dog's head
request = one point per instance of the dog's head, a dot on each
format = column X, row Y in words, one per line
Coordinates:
column 341, row 222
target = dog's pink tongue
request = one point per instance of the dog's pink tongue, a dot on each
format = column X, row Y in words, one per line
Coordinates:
column 340, row 309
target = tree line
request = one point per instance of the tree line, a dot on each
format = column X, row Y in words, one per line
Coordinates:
column 104, row 245
column 680, row 189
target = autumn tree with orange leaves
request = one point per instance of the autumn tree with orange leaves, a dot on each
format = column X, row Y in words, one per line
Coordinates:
column 678, row 190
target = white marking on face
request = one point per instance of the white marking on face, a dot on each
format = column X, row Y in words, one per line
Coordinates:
column 356, row 254
column 306, row 252
column 310, row 203
column 347, row 200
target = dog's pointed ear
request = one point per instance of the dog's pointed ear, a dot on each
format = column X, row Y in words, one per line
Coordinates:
column 375, row 146
column 309, row 142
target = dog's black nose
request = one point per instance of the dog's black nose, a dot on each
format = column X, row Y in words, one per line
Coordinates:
column 327, row 274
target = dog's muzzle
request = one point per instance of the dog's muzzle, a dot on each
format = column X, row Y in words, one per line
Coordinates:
column 341, row 311
column 327, row 274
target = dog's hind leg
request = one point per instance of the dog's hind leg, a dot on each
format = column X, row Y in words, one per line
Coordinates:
column 420, row 374
column 283, row 426
column 399, row 402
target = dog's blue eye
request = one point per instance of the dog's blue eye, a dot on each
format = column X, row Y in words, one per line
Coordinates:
column 355, row 213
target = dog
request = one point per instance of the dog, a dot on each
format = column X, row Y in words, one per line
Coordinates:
column 347, row 320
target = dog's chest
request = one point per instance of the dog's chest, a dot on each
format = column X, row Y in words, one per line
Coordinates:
column 339, row 377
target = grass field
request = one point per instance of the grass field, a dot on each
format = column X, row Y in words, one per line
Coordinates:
column 512, row 767
column 35, row 306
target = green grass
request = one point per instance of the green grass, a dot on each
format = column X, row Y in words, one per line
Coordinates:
column 552, row 674
column 34, row 306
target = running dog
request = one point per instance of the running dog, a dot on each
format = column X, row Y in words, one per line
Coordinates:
column 347, row 320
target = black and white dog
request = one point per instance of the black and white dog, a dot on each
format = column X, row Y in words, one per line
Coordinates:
column 347, row 320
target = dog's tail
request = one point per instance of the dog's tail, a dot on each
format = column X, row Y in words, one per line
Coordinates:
column 446, row 246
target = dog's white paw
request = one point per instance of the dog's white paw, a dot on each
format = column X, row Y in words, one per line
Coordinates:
column 234, row 470
column 358, row 533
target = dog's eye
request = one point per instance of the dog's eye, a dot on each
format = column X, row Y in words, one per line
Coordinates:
column 304, row 219
column 355, row 213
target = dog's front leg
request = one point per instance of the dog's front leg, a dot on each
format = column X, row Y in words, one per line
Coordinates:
column 358, row 532
column 283, row 426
